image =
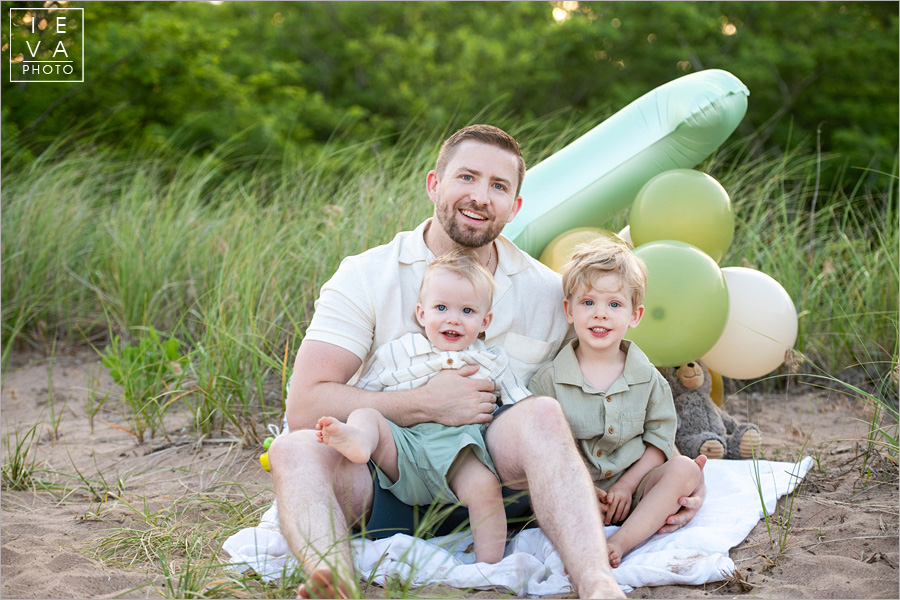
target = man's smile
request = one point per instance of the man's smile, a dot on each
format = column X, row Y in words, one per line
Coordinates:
column 472, row 215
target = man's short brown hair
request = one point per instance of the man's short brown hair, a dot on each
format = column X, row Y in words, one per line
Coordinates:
column 487, row 134
column 599, row 257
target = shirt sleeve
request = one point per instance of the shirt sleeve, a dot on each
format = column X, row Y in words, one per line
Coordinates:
column 505, row 380
column 344, row 314
column 661, row 421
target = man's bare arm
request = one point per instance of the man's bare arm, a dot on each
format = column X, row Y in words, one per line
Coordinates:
column 319, row 387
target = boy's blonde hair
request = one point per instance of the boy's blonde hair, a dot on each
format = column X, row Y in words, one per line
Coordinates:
column 599, row 257
column 464, row 263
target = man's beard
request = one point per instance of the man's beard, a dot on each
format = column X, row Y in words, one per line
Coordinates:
column 462, row 235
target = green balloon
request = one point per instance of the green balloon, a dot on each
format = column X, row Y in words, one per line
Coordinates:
column 684, row 205
column 686, row 306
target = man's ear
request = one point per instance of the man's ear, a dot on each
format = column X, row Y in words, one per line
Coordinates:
column 431, row 184
column 637, row 316
column 517, row 206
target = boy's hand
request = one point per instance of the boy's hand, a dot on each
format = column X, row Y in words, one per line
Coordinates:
column 601, row 497
column 618, row 496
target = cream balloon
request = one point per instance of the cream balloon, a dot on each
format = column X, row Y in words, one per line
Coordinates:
column 625, row 234
column 761, row 326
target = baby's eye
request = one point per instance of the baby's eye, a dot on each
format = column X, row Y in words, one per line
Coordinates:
column 441, row 307
column 614, row 304
column 468, row 311
column 588, row 302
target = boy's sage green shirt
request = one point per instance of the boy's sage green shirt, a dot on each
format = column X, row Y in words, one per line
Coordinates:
column 610, row 427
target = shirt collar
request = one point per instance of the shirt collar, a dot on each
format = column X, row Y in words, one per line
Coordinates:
column 510, row 260
column 637, row 367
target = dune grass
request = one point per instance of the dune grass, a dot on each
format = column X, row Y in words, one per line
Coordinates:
column 110, row 251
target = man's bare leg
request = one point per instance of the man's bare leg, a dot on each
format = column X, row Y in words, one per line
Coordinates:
column 366, row 435
column 479, row 490
column 320, row 494
column 532, row 447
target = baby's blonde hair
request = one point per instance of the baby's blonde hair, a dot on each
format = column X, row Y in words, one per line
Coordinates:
column 599, row 257
column 462, row 262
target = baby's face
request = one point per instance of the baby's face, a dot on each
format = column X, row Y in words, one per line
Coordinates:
column 452, row 312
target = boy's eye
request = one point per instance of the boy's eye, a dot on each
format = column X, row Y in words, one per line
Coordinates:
column 588, row 302
column 468, row 311
column 614, row 304
column 441, row 307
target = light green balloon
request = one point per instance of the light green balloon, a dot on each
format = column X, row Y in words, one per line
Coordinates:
column 686, row 306
column 684, row 205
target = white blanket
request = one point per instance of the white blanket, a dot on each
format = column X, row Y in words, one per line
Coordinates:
column 694, row 555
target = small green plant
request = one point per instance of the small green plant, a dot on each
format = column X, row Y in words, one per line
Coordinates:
column 149, row 373
column 21, row 457
column 778, row 523
column 93, row 405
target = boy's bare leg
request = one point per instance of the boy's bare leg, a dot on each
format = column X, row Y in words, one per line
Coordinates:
column 320, row 494
column 674, row 479
column 478, row 489
column 532, row 447
column 366, row 435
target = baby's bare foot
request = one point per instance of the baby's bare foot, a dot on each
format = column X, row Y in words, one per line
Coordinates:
column 344, row 438
column 615, row 554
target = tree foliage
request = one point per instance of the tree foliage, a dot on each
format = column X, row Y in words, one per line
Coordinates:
column 289, row 77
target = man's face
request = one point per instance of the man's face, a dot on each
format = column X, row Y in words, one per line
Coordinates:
column 475, row 197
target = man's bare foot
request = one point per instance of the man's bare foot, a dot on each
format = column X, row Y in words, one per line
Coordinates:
column 615, row 553
column 344, row 438
column 604, row 587
column 323, row 584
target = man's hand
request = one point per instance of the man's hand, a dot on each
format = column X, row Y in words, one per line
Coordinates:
column 457, row 399
column 689, row 504
column 618, row 497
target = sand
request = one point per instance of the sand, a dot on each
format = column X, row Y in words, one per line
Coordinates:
column 68, row 541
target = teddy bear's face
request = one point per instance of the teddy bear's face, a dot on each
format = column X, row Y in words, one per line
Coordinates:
column 690, row 375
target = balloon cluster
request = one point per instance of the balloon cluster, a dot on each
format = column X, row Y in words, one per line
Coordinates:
column 738, row 321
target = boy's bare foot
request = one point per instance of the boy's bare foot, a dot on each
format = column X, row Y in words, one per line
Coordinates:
column 323, row 584
column 615, row 553
column 343, row 438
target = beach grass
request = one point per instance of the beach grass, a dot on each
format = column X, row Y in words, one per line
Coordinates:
column 129, row 252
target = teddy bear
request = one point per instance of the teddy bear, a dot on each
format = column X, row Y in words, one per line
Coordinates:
column 703, row 427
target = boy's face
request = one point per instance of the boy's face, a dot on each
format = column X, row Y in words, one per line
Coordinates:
column 602, row 314
column 452, row 312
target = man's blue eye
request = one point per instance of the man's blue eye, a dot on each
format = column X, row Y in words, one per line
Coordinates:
column 500, row 186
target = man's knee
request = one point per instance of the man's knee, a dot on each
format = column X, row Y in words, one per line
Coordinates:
column 544, row 415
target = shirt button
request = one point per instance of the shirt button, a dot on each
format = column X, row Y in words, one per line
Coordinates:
column 449, row 361
column 608, row 474
column 608, row 399
column 610, row 430
column 599, row 452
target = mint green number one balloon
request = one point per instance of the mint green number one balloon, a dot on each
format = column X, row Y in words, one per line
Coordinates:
column 686, row 306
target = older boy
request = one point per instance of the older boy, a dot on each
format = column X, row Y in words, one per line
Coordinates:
column 618, row 405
